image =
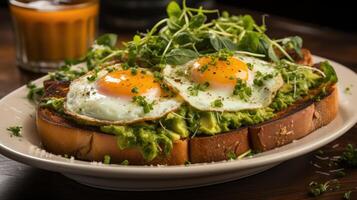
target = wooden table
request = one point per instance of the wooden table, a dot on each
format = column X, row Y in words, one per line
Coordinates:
column 286, row 181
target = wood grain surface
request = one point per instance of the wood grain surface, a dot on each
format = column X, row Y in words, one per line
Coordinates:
column 287, row 181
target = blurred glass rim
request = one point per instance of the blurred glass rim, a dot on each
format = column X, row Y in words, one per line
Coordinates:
column 53, row 8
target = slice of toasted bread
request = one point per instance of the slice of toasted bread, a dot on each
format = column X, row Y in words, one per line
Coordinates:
column 60, row 136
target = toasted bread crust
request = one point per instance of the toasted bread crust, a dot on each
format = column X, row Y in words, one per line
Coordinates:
column 218, row 147
column 326, row 109
column 295, row 125
column 283, row 130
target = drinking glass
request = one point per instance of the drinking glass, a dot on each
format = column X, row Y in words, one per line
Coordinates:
column 49, row 32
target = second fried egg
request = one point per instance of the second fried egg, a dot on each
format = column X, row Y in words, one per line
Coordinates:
column 234, row 83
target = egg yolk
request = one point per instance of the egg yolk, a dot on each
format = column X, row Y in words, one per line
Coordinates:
column 122, row 83
column 219, row 72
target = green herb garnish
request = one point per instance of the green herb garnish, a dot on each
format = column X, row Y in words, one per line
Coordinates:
column 53, row 103
column 108, row 39
column 242, row 90
column 292, row 43
column 231, row 155
column 187, row 163
column 349, row 157
column 158, row 76
column 125, row 162
column 316, row 189
column 92, row 77
column 147, row 138
column 134, row 71
column 260, row 78
column 348, row 89
column 187, row 34
column 135, row 90
column 141, row 101
column 35, row 93
column 15, row 131
column 203, row 68
column 106, row 159
column 217, row 103
column 197, row 87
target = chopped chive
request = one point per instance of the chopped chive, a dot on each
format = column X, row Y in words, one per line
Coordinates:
column 15, row 131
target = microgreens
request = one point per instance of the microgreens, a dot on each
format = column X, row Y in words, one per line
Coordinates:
column 349, row 157
column 186, row 34
column 231, row 155
column 317, row 189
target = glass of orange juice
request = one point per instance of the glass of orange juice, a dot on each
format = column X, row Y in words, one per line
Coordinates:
column 51, row 31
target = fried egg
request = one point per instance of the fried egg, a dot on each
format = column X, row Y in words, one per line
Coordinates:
column 236, row 83
column 118, row 96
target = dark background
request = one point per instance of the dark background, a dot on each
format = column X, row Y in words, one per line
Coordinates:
column 340, row 15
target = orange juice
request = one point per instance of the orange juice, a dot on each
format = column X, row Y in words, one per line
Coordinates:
column 48, row 32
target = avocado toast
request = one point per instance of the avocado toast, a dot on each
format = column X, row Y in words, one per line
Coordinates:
column 278, row 95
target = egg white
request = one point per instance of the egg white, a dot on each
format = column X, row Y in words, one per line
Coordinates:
column 178, row 77
column 84, row 102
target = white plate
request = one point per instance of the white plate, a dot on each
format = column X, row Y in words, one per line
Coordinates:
column 15, row 109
